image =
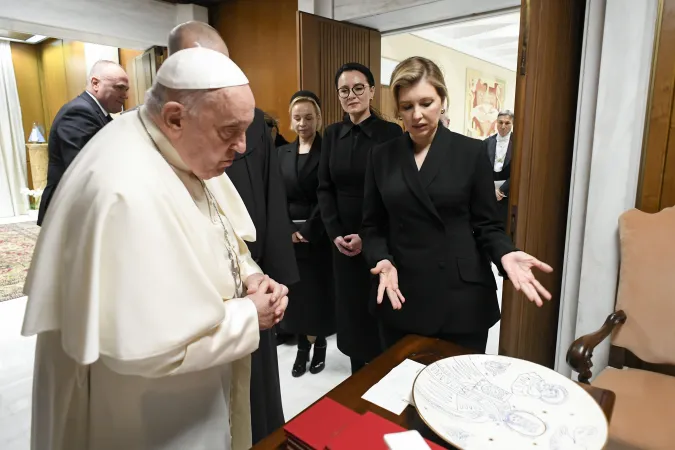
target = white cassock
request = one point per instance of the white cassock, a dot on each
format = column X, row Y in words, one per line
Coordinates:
column 143, row 340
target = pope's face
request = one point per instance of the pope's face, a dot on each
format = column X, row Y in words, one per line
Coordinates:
column 209, row 138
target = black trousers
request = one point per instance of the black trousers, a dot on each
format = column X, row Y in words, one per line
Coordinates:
column 476, row 341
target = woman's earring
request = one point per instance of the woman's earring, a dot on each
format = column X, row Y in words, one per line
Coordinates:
column 443, row 111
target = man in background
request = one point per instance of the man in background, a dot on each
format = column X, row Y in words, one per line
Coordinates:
column 500, row 151
column 273, row 125
column 255, row 174
column 80, row 119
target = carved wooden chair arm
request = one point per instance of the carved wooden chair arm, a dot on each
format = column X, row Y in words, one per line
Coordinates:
column 581, row 351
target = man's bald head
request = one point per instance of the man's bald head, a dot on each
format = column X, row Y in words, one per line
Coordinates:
column 196, row 34
column 109, row 83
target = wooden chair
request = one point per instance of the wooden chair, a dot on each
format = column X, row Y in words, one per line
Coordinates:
column 642, row 356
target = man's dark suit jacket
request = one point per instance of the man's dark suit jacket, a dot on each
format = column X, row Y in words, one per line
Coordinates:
column 75, row 124
column 439, row 226
column 505, row 174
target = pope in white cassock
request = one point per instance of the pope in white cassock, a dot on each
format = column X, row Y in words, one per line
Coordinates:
column 144, row 296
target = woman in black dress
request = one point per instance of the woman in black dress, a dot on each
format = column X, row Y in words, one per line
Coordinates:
column 312, row 313
column 431, row 225
column 345, row 150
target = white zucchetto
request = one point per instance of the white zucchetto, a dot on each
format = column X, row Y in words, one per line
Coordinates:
column 200, row 68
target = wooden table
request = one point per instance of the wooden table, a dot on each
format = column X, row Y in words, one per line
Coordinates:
column 417, row 348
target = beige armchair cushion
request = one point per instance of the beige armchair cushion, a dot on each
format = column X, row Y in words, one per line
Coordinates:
column 644, row 413
column 647, row 286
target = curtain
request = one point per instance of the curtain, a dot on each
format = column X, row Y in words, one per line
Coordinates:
column 12, row 141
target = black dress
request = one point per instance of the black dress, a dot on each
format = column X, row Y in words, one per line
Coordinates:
column 311, row 310
column 345, row 151
column 256, row 176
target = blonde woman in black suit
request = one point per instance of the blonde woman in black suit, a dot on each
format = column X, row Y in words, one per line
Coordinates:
column 431, row 225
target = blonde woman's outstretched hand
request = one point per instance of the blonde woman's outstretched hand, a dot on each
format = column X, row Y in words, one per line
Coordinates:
column 518, row 266
column 388, row 283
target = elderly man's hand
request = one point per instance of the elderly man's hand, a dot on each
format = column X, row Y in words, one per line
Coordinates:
column 278, row 292
column 270, row 310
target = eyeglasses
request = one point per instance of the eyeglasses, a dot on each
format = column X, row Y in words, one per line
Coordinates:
column 358, row 90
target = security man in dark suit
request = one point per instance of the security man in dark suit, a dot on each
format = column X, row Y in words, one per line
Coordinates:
column 500, row 152
column 80, row 119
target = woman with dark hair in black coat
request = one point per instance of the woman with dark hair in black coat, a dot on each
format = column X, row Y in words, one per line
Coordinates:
column 345, row 150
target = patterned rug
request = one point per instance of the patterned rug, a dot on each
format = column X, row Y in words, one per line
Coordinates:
column 17, row 241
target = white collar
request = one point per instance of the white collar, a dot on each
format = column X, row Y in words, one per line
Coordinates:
column 505, row 138
column 105, row 113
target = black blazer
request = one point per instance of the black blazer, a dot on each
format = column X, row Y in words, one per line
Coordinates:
column 74, row 125
column 301, row 189
column 345, row 151
column 505, row 174
column 440, row 227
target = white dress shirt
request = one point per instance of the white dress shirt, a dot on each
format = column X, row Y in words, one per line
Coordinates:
column 502, row 148
column 105, row 113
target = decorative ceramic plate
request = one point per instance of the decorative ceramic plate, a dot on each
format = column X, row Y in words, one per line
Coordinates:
column 480, row 402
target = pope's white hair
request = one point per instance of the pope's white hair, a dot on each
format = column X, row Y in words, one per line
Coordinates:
column 158, row 96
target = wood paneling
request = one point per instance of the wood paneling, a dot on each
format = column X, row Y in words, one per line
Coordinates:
column 127, row 58
column 76, row 68
column 657, row 177
column 325, row 45
column 25, row 59
column 53, row 80
column 551, row 39
column 262, row 39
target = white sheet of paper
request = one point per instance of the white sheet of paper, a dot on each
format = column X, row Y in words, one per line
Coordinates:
column 406, row 440
column 394, row 391
column 498, row 183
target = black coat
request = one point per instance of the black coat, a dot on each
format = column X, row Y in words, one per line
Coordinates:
column 439, row 226
column 312, row 309
column 344, row 154
column 74, row 125
column 255, row 174
column 503, row 175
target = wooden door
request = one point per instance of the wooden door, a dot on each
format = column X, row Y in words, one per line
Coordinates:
column 325, row 45
column 657, row 174
column 141, row 67
column 551, row 35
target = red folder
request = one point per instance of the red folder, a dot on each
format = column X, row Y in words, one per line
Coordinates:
column 367, row 432
column 316, row 426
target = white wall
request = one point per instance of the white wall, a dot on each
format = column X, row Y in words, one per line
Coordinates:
column 607, row 163
column 403, row 15
column 454, row 65
column 118, row 23
column 96, row 52
column 323, row 8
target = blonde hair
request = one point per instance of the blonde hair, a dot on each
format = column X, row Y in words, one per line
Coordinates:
column 411, row 71
column 317, row 110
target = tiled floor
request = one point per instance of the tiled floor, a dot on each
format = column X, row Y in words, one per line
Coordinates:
column 16, row 374
column 16, row 377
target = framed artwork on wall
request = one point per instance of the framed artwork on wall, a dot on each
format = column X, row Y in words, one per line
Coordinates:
column 485, row 96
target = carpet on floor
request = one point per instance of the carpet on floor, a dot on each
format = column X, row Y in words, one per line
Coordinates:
column 17, row 242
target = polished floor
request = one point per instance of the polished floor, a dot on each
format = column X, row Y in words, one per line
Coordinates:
column 16, row 376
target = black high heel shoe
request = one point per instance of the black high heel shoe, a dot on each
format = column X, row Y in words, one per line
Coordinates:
column 318, row 358
column 300, row 364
